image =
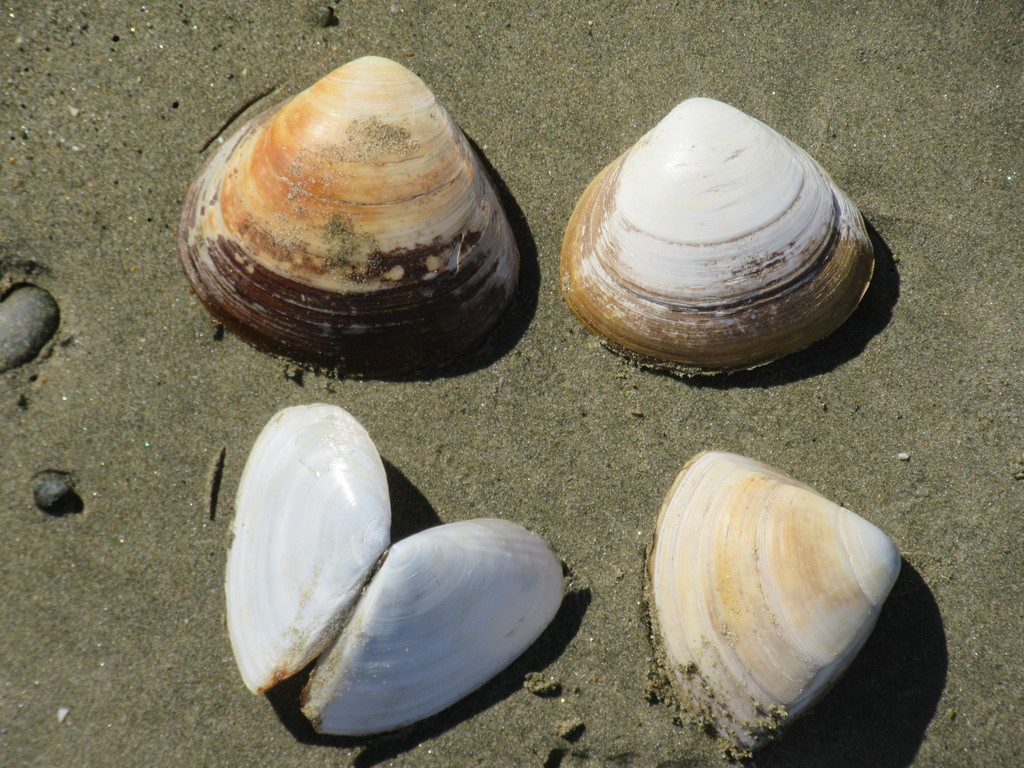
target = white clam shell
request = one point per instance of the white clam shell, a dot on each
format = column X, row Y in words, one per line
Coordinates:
column 704, row 193
column 763, row 592
column 312, row 517
column 714, row 242
column 449, row 608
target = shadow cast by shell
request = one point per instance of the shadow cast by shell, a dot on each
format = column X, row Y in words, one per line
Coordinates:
column 878, row 712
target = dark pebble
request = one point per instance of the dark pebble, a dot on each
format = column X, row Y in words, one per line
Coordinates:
column 324, row 16
column 54, row 493
column 28, row 319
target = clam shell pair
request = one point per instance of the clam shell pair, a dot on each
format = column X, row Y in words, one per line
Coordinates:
column 351, row 228
column 402, row 630
column 763, row 593
column 713, row 244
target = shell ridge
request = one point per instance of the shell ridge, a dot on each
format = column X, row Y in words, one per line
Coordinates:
column 611, row 276
column 831, row 669
column 793, row 284
column 710, row 245
column 751, row 693
column 723, row 642
column 378, row 204
column 798, row 665
column 775, row 609
column 875, row 594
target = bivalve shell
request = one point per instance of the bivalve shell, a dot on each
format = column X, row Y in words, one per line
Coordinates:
column 408, row 629
column 713, row 244
column 763, row 593
column 312, row 517
column 449, row 609
column 352, row 228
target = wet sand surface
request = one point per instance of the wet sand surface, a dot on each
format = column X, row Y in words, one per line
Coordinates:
column 114, row 616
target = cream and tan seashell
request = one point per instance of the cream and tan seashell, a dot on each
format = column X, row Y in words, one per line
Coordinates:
column 713, row 244
column 763, row 592
column 401, row 630
column 351, row 228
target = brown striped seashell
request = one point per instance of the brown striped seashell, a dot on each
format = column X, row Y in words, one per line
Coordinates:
column 713, row 244
column 351, row 228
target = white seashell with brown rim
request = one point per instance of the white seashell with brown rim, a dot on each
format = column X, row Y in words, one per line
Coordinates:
column 713, row 244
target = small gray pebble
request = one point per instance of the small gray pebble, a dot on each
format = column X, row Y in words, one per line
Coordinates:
column 323, row 16
column 28, row 319
column 54, row 492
